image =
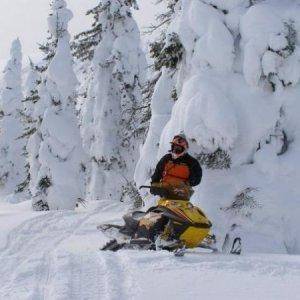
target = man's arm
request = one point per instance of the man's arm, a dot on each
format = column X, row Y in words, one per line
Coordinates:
column 195, row 173
column 158, row 173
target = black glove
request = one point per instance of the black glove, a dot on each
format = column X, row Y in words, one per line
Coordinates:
column 154, row 190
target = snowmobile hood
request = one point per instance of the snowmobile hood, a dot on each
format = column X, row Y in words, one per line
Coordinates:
column 183, row 212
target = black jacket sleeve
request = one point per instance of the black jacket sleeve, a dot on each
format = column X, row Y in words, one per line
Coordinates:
column 158, row 173
column 195, row 172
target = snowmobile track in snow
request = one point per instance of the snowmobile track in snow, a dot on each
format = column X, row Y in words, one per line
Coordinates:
column 31, row 258
column 35, row 266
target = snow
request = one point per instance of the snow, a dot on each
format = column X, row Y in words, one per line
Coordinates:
column 11, row 216
column 268, row 26
column 216, row 47
column 60, row 69
column 214, row 44
column 55, row 255
column 202, row 109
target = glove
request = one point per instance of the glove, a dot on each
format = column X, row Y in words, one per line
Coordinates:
column 183, row 191
column 155, row 190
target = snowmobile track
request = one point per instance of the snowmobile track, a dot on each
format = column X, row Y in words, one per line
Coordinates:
column 28, row 267
column 118, row 283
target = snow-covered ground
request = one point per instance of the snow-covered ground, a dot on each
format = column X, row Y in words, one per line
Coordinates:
column 55, row 256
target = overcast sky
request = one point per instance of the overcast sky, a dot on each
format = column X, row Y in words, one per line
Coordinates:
column 27, row 19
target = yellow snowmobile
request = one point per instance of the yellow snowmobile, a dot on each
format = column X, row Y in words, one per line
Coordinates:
column 173, row 224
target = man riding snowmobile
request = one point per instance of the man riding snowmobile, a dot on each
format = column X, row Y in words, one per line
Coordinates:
column 177, row 171
column 174, row 223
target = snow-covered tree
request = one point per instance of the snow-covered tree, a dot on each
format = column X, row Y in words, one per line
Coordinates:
column 48, row 48
column 35, row 108
column 59, row 182
column 36, row 88
column 85, row 42
column 112, row 111
column 31, row 97
column 30, row 123
column 12, row 160
column 83, row 48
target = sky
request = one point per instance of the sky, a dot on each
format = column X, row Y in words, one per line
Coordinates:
column 27, row 19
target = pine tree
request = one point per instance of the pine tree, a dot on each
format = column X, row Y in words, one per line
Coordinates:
column 83, row 48
column 33, row 81
column 111, row 114
column 29, row 120
column 48, row 47
column 59, row 182
column 35, row 108
column 85, row 42
column 39, row 90
column 12, row 161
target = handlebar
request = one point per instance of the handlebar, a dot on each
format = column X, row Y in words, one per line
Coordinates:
column 145, row 187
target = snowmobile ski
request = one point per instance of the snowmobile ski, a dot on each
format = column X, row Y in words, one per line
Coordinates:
column 133, row 244
column 112, row 245
column 236, row 249
column 105, row 227
column 236, row 246
column 180, row 252
column 232, row 242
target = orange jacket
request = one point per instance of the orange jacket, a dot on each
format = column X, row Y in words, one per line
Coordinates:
column 185, row 169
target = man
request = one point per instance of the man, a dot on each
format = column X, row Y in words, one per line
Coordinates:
column 177, row 168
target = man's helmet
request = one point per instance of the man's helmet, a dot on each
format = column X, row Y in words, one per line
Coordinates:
column 179, row 144
column 180, row 140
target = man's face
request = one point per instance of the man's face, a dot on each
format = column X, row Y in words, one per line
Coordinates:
column 177, row 149
column 179, row 145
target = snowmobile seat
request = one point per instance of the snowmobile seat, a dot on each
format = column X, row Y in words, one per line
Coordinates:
column 132, row 222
